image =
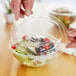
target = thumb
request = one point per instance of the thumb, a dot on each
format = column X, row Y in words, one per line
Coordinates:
column 17, row 6
column 28, row 4
column 71, row 45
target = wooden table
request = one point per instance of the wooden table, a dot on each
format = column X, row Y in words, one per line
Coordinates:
column 65, row 65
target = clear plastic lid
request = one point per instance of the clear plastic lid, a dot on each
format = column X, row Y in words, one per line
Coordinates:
column 35, row 33
column 63, row 10
column 40, row 26
column 65, row 13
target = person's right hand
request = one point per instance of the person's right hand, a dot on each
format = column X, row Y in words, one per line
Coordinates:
column 72, row 37
column 16, row 6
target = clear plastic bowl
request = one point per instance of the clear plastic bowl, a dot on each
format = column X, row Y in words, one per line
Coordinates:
column 65, row 13
column 38, row 27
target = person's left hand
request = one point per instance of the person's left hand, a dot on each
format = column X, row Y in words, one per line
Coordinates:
column 72, row 38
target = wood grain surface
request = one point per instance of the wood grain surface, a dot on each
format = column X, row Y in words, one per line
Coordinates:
column 65, row 65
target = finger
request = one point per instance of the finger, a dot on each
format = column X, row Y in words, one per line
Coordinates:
column 17, row 6
column 71, row 45
column 27, row 11
column 72, row 39
column 21, row 15
column 12, row 5
column 24, row 2
column 28, row 7
column 72, row 33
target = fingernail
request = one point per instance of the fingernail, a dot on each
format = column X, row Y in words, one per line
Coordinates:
column 31, row 12
column 67, row 46
column 16, row 17
column 28, row 13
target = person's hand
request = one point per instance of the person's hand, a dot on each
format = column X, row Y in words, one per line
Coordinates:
column 16, row 6
column 72, row 37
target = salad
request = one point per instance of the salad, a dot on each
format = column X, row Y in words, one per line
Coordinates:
column 33, row 51
column 65, row 15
